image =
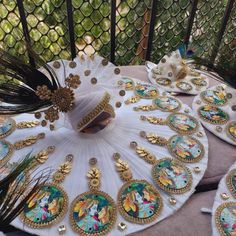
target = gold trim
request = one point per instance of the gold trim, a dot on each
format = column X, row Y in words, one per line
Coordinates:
column 182, row 131
column 229, row 184
column 227, row 130
column 183, row 159
column 131, row 218
column 54, row 221
column 185, row 90
column 166, row 110
column 211, row 121
column 11, row 130
column 27, row 124
column 217, row 216
column 113, row 214
column 212, row 103
column 9, row 154
column 163, row 187
column 95, row 112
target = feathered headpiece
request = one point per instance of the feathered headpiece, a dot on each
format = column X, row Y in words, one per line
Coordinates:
column 32, row 90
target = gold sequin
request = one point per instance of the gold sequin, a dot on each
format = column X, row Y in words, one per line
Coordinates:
column 72, row 64
column 94, row 80
column 87, row 72
column 56, row 64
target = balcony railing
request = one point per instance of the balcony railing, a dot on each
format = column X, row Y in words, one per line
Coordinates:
column 125, row 32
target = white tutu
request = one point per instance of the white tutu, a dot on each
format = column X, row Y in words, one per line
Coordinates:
column 116, row 137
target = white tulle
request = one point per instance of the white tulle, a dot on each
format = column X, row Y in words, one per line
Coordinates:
column 116, row 137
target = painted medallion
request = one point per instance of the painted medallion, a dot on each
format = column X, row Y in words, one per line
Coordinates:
column 172, row 176
column 214, row 97
column 231, row 130
column 182, row 123
column 225, row 218
column 184, row 86
column 163, row 81
column 167, row 104
column 129, row 83
column 231, row 182
column 186, row 148
column 6, row 150
column 139, row 201
column 213, row 115
column 199, row 82
column 7, row 126
column 146, row 91
column 93, row 213
column 47, row 207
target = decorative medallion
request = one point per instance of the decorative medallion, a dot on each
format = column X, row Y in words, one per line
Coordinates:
column 129, row 83
column 231, row 130
column 214, row 97
column 139, row 202
column 213, row 114
column 93, row 213
column 199, row 82
column 163, row 81
column 7, row 127
column 182, row 123
column 184, row 86
column 185, row 148
column 6, row 150
column 47, row 207
column 167, row 104
column 172, row 176
column 231, row 182
column 225, row 218
column 146, row 91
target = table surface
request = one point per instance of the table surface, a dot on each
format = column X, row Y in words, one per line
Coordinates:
column 221, row 154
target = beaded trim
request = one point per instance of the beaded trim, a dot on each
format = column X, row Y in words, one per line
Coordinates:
column 183, row 132
column 212, row 121
column 113, row 214
column 212, row 103
column 102, row 105
column 184, row 159
column 54, row 221
column 136, row 219
column 169, row 190
column 229, row 182
column 9, row 154
column 9, row 131
column 217, row 216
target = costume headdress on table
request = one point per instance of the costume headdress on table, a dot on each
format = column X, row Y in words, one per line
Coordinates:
column 85, row 102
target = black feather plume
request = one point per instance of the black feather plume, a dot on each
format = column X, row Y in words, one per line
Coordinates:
column 19, row 96
column 14, row 195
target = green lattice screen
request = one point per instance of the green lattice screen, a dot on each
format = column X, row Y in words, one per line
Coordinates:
column 127, row 32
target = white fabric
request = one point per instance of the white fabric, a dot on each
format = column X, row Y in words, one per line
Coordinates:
column 174, row 60
column 227, row 108
column 114, row 138
column 222, row 188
